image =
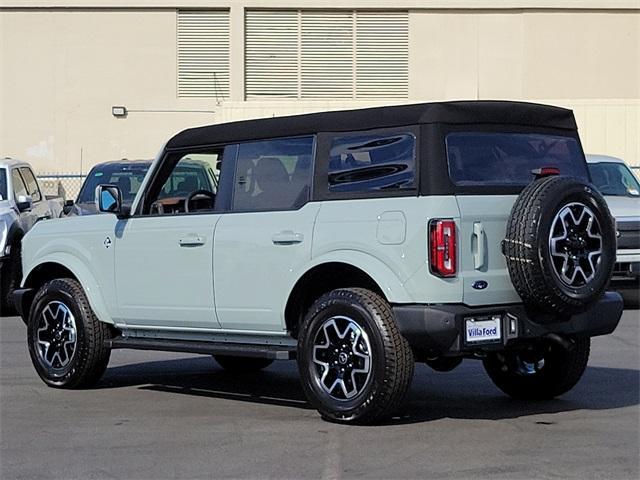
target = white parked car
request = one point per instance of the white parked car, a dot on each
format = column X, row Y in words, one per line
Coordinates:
column 621, row 189
column 22, row 204
column 357, row 242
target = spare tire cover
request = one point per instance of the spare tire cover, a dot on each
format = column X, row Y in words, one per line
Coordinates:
column 560, row 245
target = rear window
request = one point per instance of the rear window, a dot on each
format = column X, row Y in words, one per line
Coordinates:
column 481, row 158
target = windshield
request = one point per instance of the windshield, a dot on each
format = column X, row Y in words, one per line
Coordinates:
column 3, row 184
column 615, row 179
column 488, row 158
column 124, row 175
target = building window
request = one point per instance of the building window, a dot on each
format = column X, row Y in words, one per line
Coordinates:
column 203, row 53
column 309, row 54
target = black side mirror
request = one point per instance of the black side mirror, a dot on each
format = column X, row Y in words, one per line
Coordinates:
column 68, row 206
column 109, row 199
column 24, row 203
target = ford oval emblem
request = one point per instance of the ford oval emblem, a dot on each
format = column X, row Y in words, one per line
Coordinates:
column 480, row 285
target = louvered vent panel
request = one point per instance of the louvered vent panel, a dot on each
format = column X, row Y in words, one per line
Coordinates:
column 308, row 54
column 326, row 60
column 203, row 53
column 271, row 51
column 382, row 54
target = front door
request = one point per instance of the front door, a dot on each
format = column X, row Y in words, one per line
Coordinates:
column 164, row 253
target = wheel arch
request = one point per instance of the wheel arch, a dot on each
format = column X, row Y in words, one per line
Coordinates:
column 348, row 269
column 66, row 266
column 15, row 233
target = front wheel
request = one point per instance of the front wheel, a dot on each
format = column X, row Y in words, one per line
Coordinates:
column 66, row 340
column 355, row 365
column 542, row 372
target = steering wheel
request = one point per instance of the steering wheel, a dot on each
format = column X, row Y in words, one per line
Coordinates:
column 199, row 193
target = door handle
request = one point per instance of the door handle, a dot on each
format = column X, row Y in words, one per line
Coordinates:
column 287, row 237
column 479, row 246
column 192, row 241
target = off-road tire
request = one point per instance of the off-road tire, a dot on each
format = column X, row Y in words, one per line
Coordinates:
column 242, row 364
column 392, row 361
column 527, row 248
column 91, row 356
column 10, row 277
column 561, row 371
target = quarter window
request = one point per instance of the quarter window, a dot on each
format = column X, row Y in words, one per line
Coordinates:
column 273, row 174
column 372, row 162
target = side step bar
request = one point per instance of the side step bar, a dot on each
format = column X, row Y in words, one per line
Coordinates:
column 275, row 352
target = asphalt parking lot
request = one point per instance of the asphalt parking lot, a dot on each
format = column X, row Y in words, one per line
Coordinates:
column 162, row 415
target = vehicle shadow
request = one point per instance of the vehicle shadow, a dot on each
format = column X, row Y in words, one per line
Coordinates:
column 465, row 393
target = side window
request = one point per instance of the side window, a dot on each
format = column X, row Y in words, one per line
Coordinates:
column 19, row 187
column 3, row 184
column 273, row 174
column 366, row 162
column 32, row 184
column 190, row 186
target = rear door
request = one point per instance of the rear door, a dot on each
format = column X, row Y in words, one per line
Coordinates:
column 489, row 169
column 266, row 238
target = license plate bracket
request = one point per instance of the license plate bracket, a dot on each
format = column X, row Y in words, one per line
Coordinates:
column 483, row 330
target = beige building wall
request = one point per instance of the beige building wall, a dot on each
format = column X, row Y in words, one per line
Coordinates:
column 61, row 71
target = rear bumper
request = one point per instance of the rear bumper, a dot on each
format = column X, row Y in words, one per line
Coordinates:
column 626, row 271
column 439, row 329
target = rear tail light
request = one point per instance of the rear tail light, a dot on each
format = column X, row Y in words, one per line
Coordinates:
column 545, row 172
column 442, row 247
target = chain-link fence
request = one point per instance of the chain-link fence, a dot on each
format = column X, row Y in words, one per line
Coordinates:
column 65, row 185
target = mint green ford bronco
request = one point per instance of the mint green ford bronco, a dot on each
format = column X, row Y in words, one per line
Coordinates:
column 355, row 242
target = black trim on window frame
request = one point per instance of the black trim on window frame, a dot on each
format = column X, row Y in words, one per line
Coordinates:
column 321, row 190
column 224, row 197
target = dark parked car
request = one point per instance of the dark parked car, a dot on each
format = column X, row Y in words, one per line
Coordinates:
column 192, row 175
column 126, row 174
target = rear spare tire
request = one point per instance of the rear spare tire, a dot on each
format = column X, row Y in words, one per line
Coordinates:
column 560, row 245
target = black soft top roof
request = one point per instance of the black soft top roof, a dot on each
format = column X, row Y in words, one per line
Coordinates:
column 467, row 112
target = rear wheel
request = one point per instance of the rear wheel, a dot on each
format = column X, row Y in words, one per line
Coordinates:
column 541, row 372
column 66, row 339
column 355, row 365
column 242, row 364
